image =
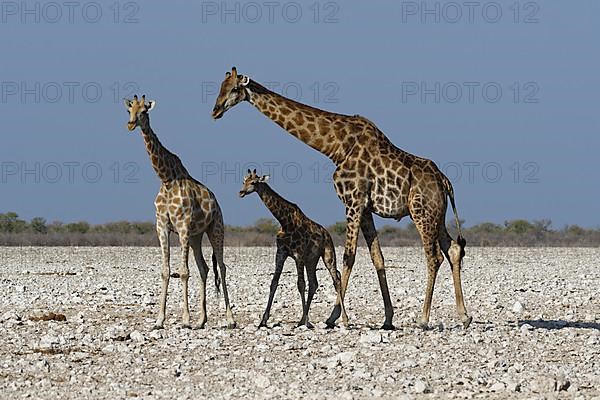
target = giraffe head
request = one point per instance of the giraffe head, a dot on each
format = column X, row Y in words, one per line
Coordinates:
column 251, row 181
column 233, row 91
column 137, row 109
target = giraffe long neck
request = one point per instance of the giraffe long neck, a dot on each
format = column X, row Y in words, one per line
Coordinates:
column 281, row 209
column 329, row 133
column 167, row 165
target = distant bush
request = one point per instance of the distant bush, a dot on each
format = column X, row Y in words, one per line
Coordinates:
column 339, row 228
column 17, row 232
column 78, row 227
column 10, row 223
column 38, row 225
column 266, row 225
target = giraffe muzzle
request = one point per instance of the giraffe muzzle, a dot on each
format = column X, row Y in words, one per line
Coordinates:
column 218, row 112
column 242, row 193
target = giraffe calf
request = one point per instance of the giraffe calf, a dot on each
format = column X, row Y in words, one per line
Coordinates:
column 299, row 238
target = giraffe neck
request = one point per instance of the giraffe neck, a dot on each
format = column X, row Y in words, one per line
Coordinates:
column 324, row 131
column 167, row 165
column 281, row 209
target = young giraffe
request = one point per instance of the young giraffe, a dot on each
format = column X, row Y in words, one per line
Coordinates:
column 300, row 238
column 185, row 206
column 372, row 176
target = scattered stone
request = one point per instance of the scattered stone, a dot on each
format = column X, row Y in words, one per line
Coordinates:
column 137, row 336
column 421, row 387
column 346, row 357
column 526, row 328
column 513, row 386
column 370, row 337
column 262, row 381
column 562, row 383
column 156, row 334
column 48, row 342
column 177, row 371
column 10, row 316
column 542, row 385
column 517, row 308
column 48, row 316
column 43, row 365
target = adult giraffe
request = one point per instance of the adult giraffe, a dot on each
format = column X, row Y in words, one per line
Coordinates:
column 185, row 206
column 372, row 176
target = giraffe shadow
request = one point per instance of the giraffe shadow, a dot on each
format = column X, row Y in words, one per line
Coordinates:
column 559, row 324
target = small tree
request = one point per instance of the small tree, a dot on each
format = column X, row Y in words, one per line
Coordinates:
column 10, row 223
column 266, row 225
column 38, row 225
column 78, row 227
column 339, row 228
column 519, row 226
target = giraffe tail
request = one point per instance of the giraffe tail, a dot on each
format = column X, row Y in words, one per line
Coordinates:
column 450, row 192
column 216, row 272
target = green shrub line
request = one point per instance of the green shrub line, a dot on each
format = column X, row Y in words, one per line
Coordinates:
column 514, row 233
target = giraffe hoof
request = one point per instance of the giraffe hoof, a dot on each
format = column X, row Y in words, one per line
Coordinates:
column 425, row 326
column 231, row 325
column 187, row 326
column 329, row 325
column 467, row 322
column 388, row 327
column 263, row 324
column 157, row 327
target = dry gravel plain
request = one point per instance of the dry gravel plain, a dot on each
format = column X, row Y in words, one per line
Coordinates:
column 535, row 333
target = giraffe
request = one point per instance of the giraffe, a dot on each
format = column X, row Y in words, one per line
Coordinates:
column 299, row 238
column 186, row 207
column 372, row 176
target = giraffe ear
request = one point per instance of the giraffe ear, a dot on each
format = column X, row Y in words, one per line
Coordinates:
column 127, row 103
column 264, row 178
column 151, row 105
column 245, row 80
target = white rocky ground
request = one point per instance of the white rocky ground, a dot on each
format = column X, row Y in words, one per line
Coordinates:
column 535, row 334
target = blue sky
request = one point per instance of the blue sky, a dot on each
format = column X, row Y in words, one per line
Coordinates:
column 503, row 96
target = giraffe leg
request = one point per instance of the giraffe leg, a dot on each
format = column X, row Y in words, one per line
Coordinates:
column 163, row 237
column 216, row 236
column 329, row 261
column 370, row 233
column 184, row 272
column 279, row 261
column 434, row 257
column 352, row 227
column 313, row 284
column 301, row 289
column 454, row 254
column 196, row 244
